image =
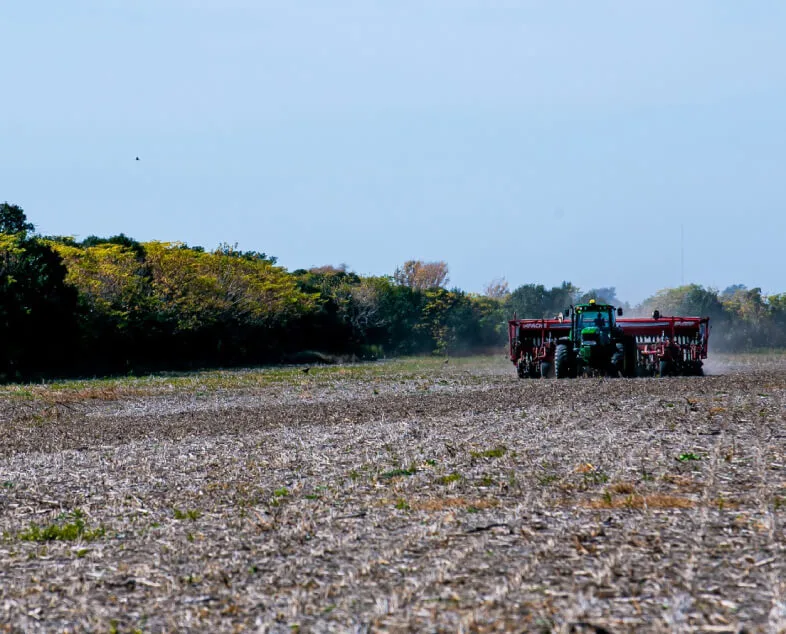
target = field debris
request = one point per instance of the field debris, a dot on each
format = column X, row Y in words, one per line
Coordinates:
column 480, row 504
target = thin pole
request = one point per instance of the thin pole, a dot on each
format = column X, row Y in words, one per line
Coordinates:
column 682, row 255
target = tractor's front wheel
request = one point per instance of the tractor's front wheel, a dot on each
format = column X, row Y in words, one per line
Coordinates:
column 562, row 362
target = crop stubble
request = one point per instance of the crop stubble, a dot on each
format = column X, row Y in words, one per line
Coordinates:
column 454, row 498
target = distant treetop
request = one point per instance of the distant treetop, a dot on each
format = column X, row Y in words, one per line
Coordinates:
column 13, row 219
column 422, row 275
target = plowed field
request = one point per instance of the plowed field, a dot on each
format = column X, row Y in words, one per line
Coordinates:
column 401, row 496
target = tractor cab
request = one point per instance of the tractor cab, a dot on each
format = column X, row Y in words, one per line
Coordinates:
column 594, row 323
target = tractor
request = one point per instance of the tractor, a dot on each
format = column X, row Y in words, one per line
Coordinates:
column 595, row 345
column 589, row 340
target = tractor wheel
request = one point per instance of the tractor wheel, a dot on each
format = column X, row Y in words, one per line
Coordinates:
column 562, row 362
column 545, row 369
column 693, row 368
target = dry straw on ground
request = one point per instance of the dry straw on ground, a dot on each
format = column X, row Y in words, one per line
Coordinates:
column 398, row 497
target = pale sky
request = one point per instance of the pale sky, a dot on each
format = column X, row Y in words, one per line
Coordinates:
column 539, row 141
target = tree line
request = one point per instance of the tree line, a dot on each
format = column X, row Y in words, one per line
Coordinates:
column 114, row 305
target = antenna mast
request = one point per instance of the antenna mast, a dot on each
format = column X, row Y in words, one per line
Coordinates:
column 682, row 255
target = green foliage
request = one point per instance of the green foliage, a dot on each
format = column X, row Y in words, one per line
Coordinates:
column 121, row 240
column 13, row 220
column 190, row 514
column 442, row 318
column 536, row 301
column 110, row 278
column 450, row 478
column 603, row 295
column 37, row 307
column 199, row 290
column 115, row 305
column 688, row 457
column 66, row 527
column 594, row 477
column 685, row 300
column 496, row 452
column 742, row 318
column 254, row 256
column 396, row 473
column 133, row 306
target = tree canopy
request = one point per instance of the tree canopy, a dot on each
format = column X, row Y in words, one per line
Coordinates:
column 118, row 305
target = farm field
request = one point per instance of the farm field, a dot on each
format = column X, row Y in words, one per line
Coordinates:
column 410, row 495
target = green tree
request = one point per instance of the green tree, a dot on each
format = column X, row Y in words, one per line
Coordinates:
column 401, row 309
column 535, row 301
column 492, row 322
column 528, row 301
column 120, row 240
column 13, row 220
column 691, row 299
column 199, row 289
column 561, row 297
column 37, row 308
column 749, row 319
column 602, row 295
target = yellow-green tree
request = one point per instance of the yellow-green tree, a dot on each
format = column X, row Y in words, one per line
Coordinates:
column 110, row 278
column 199, row 289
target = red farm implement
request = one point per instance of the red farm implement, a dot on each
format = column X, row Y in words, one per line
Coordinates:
column 590, row 340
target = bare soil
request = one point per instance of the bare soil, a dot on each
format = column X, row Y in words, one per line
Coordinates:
column 458, row 499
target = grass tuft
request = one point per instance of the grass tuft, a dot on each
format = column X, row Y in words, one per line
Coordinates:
column 191, row 514
column 396, row 473
column 496, row 452
column 66, row 527
column 450, row 478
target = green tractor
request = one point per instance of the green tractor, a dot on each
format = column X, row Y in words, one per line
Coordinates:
column 596, row 346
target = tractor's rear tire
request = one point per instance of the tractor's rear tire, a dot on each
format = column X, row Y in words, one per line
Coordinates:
column 693, row 368
column 562, row 362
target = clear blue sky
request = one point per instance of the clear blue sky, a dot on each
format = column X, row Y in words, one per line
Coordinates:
column 540, row 141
